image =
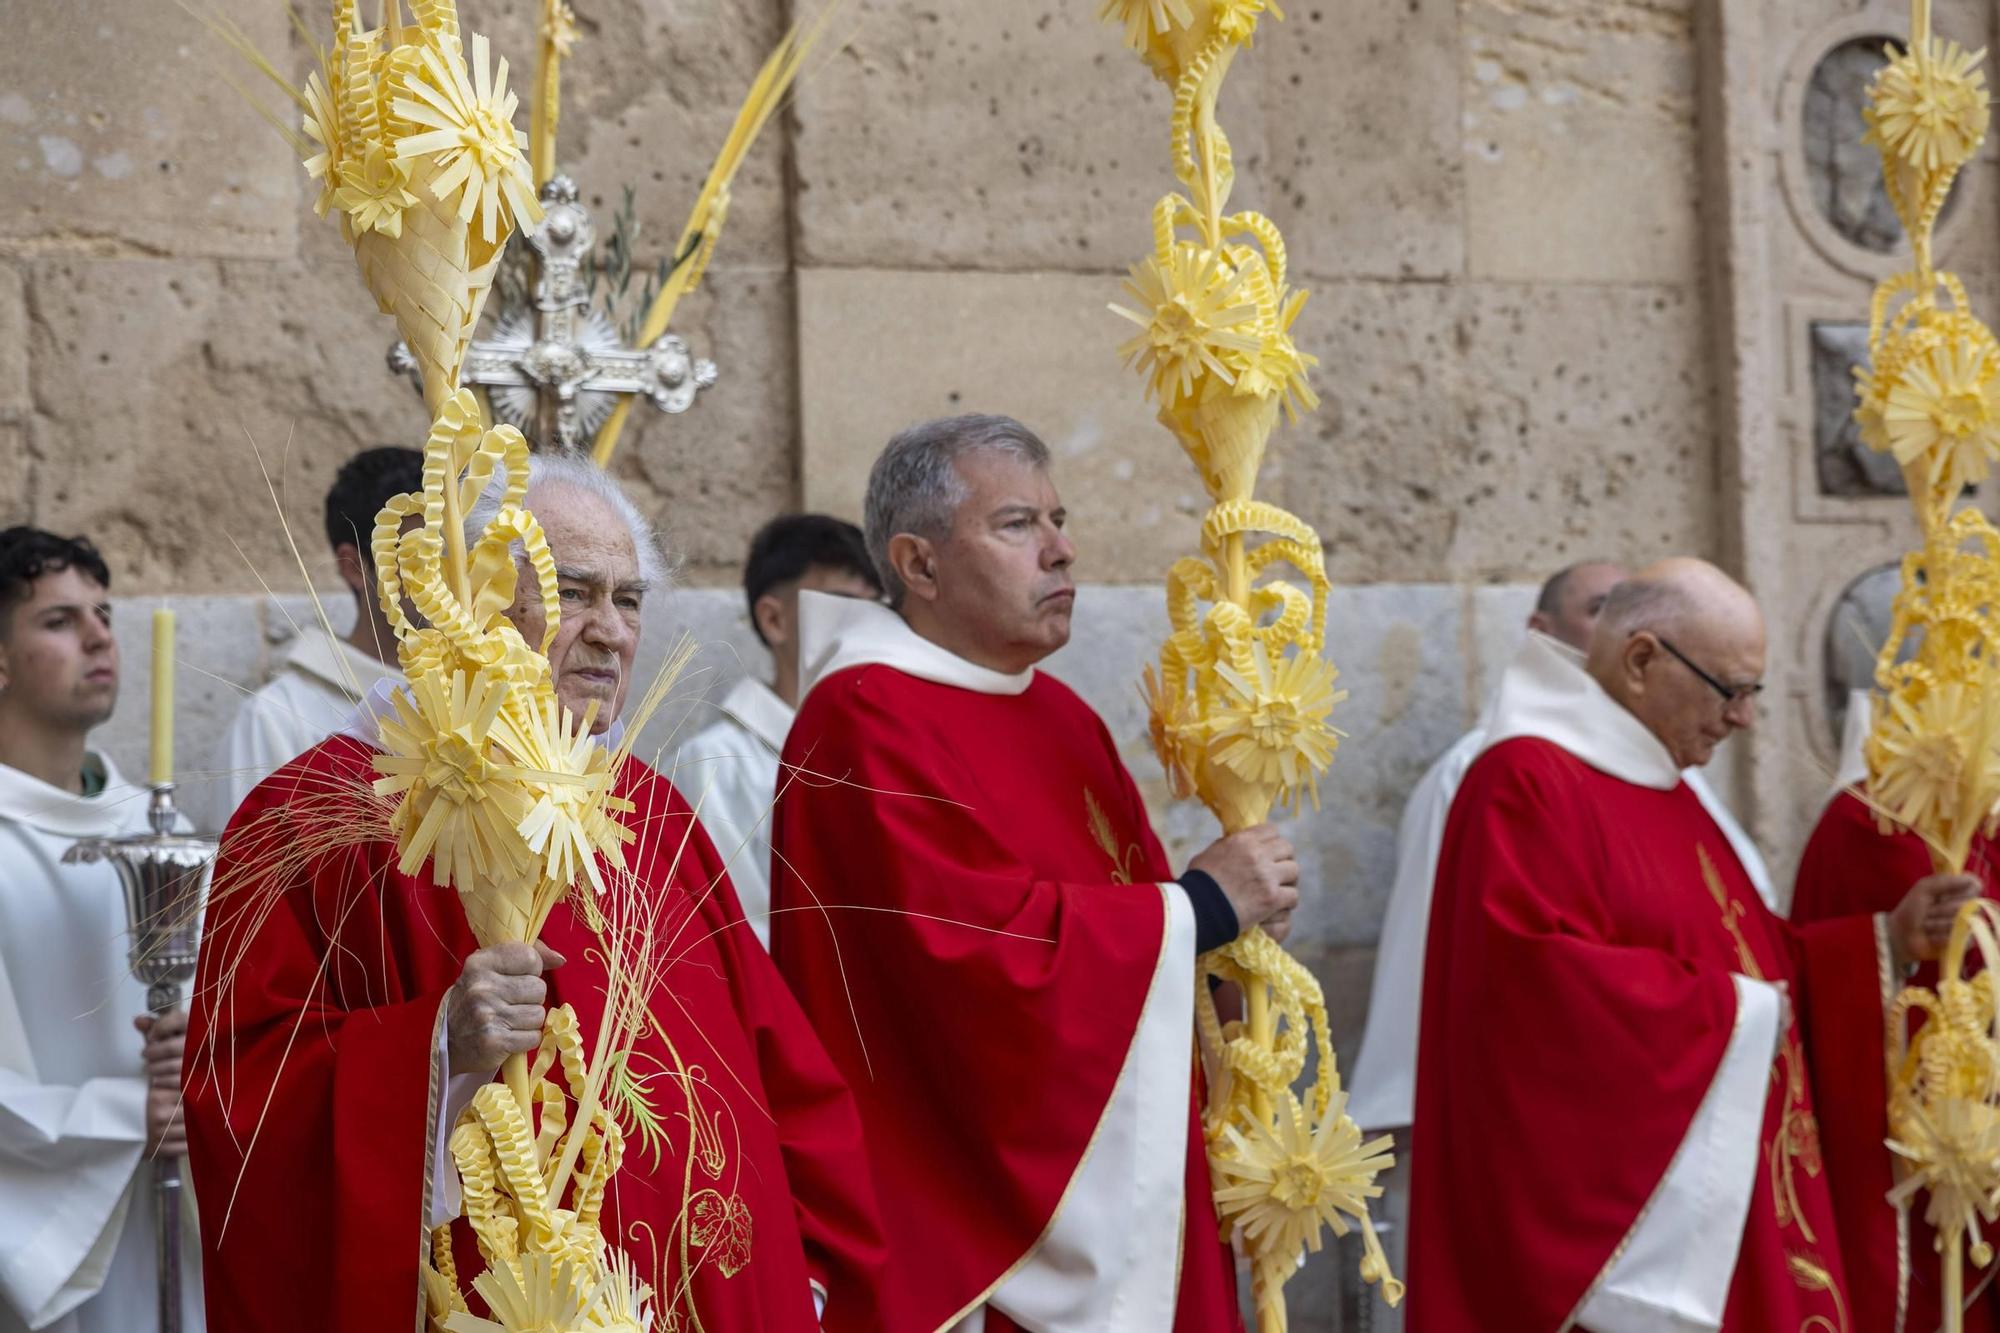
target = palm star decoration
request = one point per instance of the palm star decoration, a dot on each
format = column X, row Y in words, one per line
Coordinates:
column 1943, row 415
column 467, row 125
column 1929, row 107
column 1270, row 726
column 1285, row 1180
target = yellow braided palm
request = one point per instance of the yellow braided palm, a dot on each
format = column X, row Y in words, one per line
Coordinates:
column 1241, row 702
column 1931, row 396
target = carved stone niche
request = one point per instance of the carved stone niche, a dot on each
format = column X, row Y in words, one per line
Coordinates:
column 1854, row 635
column 1843, row 174
column 1844, row 464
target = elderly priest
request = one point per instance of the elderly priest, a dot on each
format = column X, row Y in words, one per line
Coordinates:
column 1624, row 1052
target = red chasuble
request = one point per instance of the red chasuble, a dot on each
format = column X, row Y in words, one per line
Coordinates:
column 311, row 1090
column 970, row 905
column 1850, row 867
column 1605, row 1137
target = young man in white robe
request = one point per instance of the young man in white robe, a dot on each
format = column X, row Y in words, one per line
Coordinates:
column 729, row 768
column 89, row 1083
column 322, row 677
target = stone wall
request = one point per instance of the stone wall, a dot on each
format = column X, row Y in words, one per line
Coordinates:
column 1551, row 247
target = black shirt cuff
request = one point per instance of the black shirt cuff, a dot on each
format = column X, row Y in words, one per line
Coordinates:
column 1215, row 921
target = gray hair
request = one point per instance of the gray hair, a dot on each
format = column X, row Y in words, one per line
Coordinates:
column 915, row 487
column 571, row 472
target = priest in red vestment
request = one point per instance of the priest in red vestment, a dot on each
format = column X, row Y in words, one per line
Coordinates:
column 343, row 1016
column 971, row 905
column 1851, row 867
column 1624, row 1053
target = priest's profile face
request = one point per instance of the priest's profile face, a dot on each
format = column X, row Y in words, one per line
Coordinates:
column 600, row 590
column 1681, row 645
column 1001, row 584
column 57, row 656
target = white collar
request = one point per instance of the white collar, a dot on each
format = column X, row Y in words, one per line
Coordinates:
column 756, row 707
column 1547, row 694
column 364, row 724
column 119, row 808
column 836, row 633
column 317, row 653
column 1852, row 768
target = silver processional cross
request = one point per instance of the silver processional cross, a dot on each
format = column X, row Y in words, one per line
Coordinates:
column 555, row 368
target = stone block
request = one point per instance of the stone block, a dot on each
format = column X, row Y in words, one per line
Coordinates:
column 167, row 384
column 16, row 399
column 1380, row 469
column 1589, row 426
column 120, row 134
column 648, row 94
column 991, row 137
column 16, row 473
column 1363, row 168
column 712, row 476
column 1499, row 617
column 1580, row 141
column 879, row 351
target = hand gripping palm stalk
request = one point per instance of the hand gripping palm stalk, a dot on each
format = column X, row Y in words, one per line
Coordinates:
column 1240, row 704
column 1931, row 396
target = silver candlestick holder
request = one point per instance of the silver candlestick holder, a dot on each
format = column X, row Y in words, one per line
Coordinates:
column 164, row 874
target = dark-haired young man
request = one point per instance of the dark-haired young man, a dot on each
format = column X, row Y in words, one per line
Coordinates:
column 317, row 686
column 84, row 1100
column 731, row 767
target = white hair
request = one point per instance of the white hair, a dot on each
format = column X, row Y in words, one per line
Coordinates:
column 570, row 472
column 1635, row 605
column 914, row 486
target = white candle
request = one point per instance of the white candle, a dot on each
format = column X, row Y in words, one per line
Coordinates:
column 163, row 697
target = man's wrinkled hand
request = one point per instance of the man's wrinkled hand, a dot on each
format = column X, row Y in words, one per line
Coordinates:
column 1259, row 874
column 496, row 1007
column 1920, row 926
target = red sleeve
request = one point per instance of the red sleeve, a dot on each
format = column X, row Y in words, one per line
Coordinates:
column 980, row 1011
column 819, row 1129
column 308, row 1096
column 1585, row 1059
column 1850, row 866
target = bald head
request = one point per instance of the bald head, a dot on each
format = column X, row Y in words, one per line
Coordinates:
column 1681, row 645
column 1569, row 603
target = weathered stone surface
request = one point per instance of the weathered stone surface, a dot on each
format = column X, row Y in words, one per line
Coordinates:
column 15, row 397
column 987, row 136
column 1037, row 346
column 16, row 469
column 118, row 134
column 1489, row 431
column 164, row 383
column 1363, row 170
column 1580, row 137
column 711, row 476
column 648, row 95
column 1498, row 618
column 1010, row 138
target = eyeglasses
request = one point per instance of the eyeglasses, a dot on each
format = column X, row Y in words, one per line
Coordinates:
column 1731, row 694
